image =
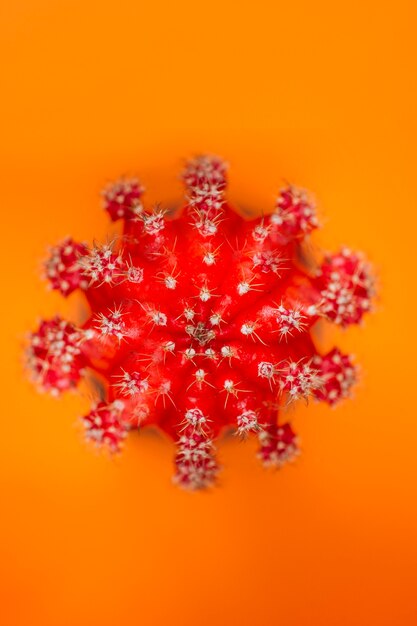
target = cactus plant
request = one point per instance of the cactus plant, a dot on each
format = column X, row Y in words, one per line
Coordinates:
column 201, row 320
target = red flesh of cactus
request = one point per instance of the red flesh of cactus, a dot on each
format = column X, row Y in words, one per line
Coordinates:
column 200, row 320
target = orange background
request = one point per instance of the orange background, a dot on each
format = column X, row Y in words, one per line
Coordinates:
column 320, row 93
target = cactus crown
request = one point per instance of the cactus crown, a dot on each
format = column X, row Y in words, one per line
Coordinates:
column 201, row 320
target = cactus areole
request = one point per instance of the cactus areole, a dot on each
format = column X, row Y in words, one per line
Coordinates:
column 200, row 321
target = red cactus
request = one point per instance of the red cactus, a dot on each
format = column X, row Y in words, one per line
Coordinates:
column 201, row 320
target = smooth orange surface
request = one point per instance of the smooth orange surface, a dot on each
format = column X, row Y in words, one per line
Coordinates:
column 319, row 93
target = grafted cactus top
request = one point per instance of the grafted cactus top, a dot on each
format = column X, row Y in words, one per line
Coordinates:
column 201, row 320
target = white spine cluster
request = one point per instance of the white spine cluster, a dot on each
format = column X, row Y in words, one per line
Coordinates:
column 112, row 324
